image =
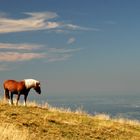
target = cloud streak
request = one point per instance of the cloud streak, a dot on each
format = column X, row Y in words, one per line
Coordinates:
column 36, row 21
column 58, row 57
column 22, row 46
column 71, row 40
column 16, row 56
column 33, row 21
column 25, row 52
column 77, row 27
column 62, row 50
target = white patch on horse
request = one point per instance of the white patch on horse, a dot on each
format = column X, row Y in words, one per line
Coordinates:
column 29, row 83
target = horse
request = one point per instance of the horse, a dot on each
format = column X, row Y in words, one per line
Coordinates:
column 20, row 88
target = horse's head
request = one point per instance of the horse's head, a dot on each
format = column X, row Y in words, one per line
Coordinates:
column 37, row 88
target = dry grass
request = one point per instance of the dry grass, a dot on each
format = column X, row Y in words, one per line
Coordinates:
column 43, row 122
column 11, row 132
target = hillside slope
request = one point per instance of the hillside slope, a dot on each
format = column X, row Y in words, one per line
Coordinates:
column 38, row 123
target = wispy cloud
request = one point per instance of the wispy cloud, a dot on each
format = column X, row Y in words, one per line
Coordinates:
column 22, row 46
column 33, row 21
column 60, row 54
column 16, row 56
column 77, row 27
column 19, row 52
column 62, row 50
column 58, row 57
column 12, row 54
column 36, row 21
column 16, row 53
column 71, row 40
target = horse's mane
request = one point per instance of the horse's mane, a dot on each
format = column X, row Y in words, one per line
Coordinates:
column 30, row 83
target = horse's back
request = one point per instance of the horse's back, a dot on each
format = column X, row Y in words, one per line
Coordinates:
column 13, row 85
column 9, row 84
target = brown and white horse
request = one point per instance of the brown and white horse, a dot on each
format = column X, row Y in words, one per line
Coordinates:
column 20, row 88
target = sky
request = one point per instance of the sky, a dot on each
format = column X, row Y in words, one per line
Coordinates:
column 73, row 47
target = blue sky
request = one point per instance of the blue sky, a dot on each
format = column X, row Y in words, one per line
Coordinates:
column 72, row 47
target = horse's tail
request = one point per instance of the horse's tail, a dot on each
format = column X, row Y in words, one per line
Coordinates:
column 6, row 91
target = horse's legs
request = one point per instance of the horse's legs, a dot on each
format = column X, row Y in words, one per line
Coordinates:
column 11, row 101
column 18, row 96
column 6, row 94
column 25, row 98
column 10, row 98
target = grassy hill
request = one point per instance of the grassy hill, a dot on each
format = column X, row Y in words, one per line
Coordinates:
column 47, row 123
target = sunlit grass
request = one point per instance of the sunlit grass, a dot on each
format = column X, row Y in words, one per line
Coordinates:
column 11, row 132
column 44, row 122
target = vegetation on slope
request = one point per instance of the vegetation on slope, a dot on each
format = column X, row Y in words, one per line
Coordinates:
column 46, row 123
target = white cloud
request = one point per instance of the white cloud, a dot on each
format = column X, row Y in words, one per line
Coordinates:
column 71, row 40
column 50, row 55
column 25, row 52
column 42, row 15
column 22, row 46
column 16, row 56
column 51, row 25
column 36, row 21
column 76, row 27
